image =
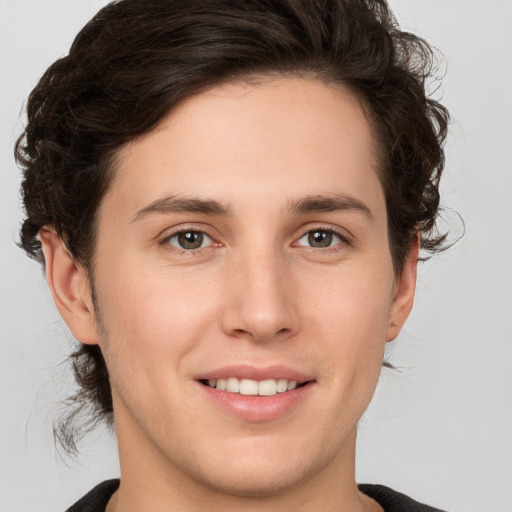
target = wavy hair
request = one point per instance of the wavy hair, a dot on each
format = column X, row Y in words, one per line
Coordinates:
column 137, row 59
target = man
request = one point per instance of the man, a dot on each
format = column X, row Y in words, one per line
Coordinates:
column 229, row 199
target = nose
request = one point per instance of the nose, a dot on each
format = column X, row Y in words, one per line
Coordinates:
column 262, row 303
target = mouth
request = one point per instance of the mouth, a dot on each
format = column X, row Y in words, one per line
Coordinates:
column 249, row 387
column 256, row 394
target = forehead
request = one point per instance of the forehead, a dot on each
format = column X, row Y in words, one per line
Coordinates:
column 277, row 139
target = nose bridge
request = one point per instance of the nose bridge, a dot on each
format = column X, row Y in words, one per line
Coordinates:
column 261, row 296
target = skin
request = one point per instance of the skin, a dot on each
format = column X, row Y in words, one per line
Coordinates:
column 257, row 292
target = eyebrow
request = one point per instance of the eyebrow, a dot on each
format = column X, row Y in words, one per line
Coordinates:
column 309, row 204
column 330, row 203
column 176, row 204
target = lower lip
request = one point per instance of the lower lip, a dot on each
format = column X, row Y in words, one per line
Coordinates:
column 257, row 408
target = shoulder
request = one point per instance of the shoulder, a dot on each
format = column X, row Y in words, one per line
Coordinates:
column 96, row 500
column 393, row 501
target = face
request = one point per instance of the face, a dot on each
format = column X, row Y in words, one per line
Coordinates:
column 245, row 287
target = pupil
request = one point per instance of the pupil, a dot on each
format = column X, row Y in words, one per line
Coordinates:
column 190, row 239
column 320, row 238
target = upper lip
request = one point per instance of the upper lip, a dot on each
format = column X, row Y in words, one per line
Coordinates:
column 245, row 371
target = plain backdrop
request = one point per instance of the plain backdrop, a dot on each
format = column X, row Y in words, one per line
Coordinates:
column 439, row 428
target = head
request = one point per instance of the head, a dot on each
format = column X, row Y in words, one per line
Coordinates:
column 139, row 80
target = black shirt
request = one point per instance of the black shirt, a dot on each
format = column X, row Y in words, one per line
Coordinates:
column 390, row 500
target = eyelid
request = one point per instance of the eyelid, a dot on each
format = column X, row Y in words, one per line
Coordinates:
column 167, row 234
column 176, row 235
column 345, row 237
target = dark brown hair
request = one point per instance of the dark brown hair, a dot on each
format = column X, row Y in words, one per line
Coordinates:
column 137, row 59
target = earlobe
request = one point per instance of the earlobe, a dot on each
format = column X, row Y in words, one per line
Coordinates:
column 403, row 298
column 69, row 285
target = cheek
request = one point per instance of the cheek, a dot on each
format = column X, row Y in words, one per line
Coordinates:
column 349, row 320
column 354, row 301
column 152, row 320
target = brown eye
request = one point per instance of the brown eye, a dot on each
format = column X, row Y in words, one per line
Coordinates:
column 189, row 240
column 320, row 239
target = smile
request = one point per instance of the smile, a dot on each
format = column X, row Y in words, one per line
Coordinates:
column 256, row 394
column 248, row 387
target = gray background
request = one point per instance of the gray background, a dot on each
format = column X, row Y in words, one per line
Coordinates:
column 439, row 429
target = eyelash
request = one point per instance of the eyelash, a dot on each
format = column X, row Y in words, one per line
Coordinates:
column 344, row 240
column 166, row 241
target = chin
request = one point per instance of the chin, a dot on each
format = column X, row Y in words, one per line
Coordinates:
column 261, row 467
column 255, row 481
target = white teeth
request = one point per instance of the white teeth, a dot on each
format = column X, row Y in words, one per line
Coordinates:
column 233, row 385
column 292, row 384
column 282, row 385
column 250, row 387
column 267, row 387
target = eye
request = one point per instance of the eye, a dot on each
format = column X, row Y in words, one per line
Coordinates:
column 320, row 239
column 189, row 240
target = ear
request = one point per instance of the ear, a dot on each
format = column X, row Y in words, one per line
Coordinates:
column 69, row 284
column 403, row 298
